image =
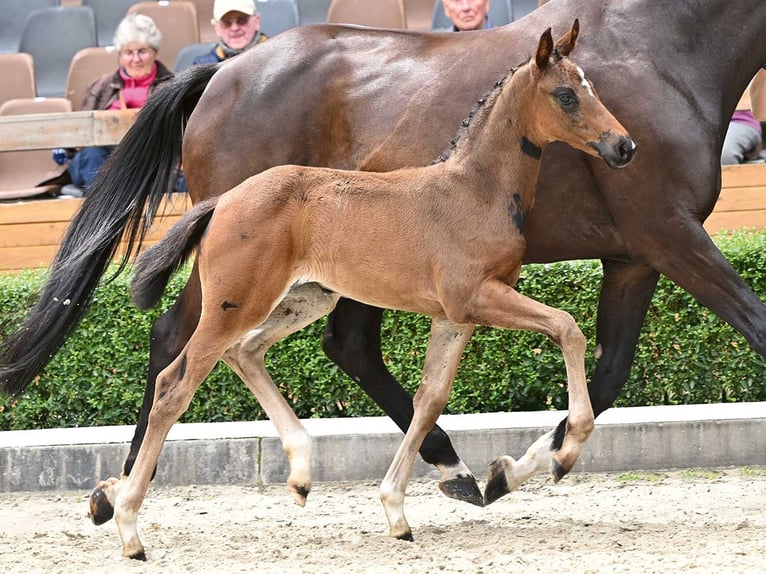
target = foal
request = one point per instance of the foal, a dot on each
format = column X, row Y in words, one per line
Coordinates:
column 445, row 240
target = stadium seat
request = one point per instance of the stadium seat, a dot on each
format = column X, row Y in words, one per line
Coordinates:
column 378, row 14
column 188, row 53
column 205, row 20
column 178, row 23
column 277, row 15
column 86, row 66
column 108, row 14
column 52, row 36
column 419, row 13
column 21, row 171
column 312, row 11
column 18, row 72
column 14, row 16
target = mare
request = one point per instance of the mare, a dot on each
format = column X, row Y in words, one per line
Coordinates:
column 444, row 240
column 379, row 100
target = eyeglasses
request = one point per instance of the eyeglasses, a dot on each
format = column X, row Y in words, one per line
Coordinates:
column 239, row 21
column 141, row 53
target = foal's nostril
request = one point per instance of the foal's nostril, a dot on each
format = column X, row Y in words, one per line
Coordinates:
column 626, row 147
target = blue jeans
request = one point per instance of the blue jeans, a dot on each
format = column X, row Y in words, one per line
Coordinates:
column 85, row 165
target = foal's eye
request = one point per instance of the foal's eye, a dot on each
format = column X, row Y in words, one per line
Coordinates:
column 565, row 96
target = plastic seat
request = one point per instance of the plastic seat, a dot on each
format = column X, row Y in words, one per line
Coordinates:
column 499, row 14
column 20, row 171
column 86, row 66
column 277, row 15
column 312, row 11
column 52, row 36
column 520, row 8
column 205, row 20
column 178, row 23
column 19, row 76
column 108, row 14
column 188, row 53
column 419, row 13
column 12, row 21
column 378, row 14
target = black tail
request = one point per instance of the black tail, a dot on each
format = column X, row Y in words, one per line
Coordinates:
column 154, row 267
column 121, row 205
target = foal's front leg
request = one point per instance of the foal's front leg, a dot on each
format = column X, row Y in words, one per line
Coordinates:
column 445, row 347
column 500, row 305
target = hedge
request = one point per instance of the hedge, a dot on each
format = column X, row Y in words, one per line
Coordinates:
column 685, row 355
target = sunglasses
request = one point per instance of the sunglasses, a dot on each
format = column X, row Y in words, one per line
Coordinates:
column 239, row 21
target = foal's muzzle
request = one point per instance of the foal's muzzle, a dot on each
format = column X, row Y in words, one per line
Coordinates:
column 616, row 151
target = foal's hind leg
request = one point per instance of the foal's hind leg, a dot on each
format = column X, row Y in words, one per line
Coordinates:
column 499, row 305
column 302, row 306
column 352, row 341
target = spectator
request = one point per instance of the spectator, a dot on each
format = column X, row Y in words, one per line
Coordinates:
column 137, row 40
column 467, row 14
column 743, row 141
column 237, row 25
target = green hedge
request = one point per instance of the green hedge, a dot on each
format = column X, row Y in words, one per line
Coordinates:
column 685, row 355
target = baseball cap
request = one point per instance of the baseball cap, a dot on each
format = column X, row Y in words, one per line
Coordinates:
column 221, row 7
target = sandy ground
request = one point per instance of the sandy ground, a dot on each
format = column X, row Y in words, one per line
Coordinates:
column 692, row 521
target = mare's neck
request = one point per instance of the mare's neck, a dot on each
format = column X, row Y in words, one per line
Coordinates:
column 495, row 150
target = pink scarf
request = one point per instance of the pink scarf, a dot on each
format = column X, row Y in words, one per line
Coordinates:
column 136, row 90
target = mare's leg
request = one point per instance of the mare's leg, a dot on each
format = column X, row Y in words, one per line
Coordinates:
column 169, row 334
column 302, row 306
column 499, row 305
column 352, row 341
column 448, row 340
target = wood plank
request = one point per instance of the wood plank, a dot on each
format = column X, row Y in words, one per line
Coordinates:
column 745, row 175
column 66, row 129
column 733, row 220
column 741, row 198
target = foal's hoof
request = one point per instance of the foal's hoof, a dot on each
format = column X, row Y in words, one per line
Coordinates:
column 557, row 471
column 299, row 494
column 140, row 555
column 101, row 510
column 497, row 481
column 462, row 488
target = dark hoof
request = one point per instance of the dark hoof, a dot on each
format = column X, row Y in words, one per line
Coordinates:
column 558, row 471
column 497, row 485
column 139, row 556
column 463, row 488
column 101, row 510
column 408, row 537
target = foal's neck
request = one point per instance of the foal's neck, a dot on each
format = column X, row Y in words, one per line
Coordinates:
column 493, row 148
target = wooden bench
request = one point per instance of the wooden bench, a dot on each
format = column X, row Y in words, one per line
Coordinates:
column 31, row 231
column 742, row 202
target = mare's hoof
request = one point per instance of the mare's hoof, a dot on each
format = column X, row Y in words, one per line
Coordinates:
column 299, row 494
column 406, row 536
column 462, row 488
column 557, row 471
column 497, row 483
column 101, row 510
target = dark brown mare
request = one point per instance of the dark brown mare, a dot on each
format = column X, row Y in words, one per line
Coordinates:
column 445, row 240
column 672, row 70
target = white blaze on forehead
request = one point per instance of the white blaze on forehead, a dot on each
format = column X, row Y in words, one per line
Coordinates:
column 583, row 81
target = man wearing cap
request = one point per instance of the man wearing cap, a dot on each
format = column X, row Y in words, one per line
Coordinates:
column 238, row 27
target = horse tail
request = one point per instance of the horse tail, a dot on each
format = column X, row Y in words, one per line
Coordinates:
column 121, row 205
column 154, row 267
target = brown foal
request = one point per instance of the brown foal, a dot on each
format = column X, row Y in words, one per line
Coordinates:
column 445, row 240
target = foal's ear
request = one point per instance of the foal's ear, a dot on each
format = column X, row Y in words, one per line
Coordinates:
column 567, row 42
column 544, row 49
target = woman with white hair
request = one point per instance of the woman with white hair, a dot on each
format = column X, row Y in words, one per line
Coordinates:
column 137, row 40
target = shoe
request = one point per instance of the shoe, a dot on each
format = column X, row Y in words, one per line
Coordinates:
column 71, row 190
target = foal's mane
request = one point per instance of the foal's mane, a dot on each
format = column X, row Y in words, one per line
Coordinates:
column 480, row 109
